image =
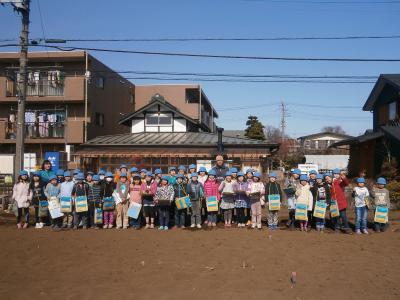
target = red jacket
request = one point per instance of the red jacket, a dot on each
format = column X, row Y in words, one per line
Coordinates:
column 338, row 192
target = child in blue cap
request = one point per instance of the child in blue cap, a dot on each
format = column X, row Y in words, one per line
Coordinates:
column 164, row 196
column 273, row 189
column 52, row 192
column 22, row 197
column 321, row 192
column 66, row 195
column 227, row 190
column 180, row 191
column 37, row 188
column 381, row 198
column 290, row 187
column 304, row 196
column 361, row 199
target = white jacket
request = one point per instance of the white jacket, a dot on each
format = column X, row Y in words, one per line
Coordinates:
column 22, row 194
column 304, row 196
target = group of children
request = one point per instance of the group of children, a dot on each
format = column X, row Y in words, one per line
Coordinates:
column 134, row 198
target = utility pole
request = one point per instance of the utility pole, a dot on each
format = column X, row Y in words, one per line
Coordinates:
column 22, row 7
column 283, row 110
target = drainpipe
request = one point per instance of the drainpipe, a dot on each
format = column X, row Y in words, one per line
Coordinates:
column 220, row 145
column 86, row 96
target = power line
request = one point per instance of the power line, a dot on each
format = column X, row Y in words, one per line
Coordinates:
column 326, row 2
column 229, row 39
column 200, row 55
column 290, row 103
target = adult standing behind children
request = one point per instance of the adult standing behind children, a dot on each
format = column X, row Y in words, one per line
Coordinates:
column 46, row 171
column 220, row 168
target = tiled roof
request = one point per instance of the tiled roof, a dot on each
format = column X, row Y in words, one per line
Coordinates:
column 172, row 139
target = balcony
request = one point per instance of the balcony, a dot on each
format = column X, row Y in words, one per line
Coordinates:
column 72, row 89
column 44, row 132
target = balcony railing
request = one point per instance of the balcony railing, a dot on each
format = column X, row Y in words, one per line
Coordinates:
column 38, row 130
column 37, row 89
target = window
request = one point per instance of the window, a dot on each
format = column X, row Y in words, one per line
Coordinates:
column 99, row 119
column 100, row 82
column 159, row 119
column 192, row 96
column 392, row 110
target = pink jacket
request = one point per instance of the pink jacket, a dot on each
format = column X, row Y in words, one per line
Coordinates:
column 152, row 188
column 211, row 189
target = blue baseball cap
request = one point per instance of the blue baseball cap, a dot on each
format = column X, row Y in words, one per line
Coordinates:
column 23, row 172
column 182, row 168
column 136, row 175
column 37, row 174
column 60, row 172
column 229, row 173
column 319, row 176
column 165, row 178
column 273, row 174
column 361, row 180
column 313, row 172
column 194, row 174
column 239, row 174
column 123, row 175
column 250, row 170
column 102, row 172
column 134, row 170
column 89, row 173
column 171, row 168
column 109, row 174
column 381, row 180
column 257, row 174
column 336, row 171
column 192, row 166
column 212, row 173
column 149, row 174
column 297, row 171
column 143, row 171
column 157, row 171
column 80, row 176
column 67, row 174
column 233, row 170
column 96, row 177
column 202, row 169
column 76, row 171
column 180, row 176
column 123, row 166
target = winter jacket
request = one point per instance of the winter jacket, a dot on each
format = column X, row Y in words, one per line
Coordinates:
column 80, row 189
column 94, row 193
column 304, row 196
column 381, row 197
column 221, row 172
column 66, row 188
column 202, row 179
column 22, row 194
column 180, row 189
column 107, row 189
column 273, row 188
column 211, row 189
column 45, row 175
column 240, row 189
column 52, row 190
column 135, row 193
column 148, row 190
column 338, row 186
column 321, row 192
column 37, row 189
column 195, row 190
column 227, row 190
column 255, row 187
column 165, row 192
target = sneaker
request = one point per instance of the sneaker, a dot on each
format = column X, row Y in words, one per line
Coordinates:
column 110, row 226
column 19, row 226
column 147, row 226
column 118, row 227
column 41, row 224
column 125, row 227
column 248, row 223
column 105, row 226
column 152, row 226
column 75, row 227
column 365, row 231
column 253, row 226
column 193, row 225
column 37, row 226
column 259, row 226
column 174, row 227
column 161, row 228
column 165, row 227
column 214, row 224
column 198, row 226
column 358, row 231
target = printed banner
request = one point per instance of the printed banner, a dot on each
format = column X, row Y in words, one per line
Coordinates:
column 108, row 203
column 81, row 204
column 55, row 208
column 66, row 204
column 320, row 209
column 301, row 212
column 183, row 203
column 98, row 216
column 43, row 208
column 274, row 202
column 381, row 214
column 134, row 210
column 334, row 208
column 212, row 203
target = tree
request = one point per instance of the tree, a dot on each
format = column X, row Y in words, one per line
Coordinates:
column 333, row 129
column 255, row 129
column 272, row 134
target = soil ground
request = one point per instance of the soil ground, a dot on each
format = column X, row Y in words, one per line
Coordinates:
column 185, row 264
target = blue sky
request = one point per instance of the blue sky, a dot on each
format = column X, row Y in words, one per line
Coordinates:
column 238, row 18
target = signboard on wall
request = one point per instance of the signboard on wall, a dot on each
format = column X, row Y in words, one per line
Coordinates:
column 7, row 163
column 54, row 158
column 306, row 168
column 204, row 163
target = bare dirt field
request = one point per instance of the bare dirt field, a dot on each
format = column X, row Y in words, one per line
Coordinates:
column 184, row 264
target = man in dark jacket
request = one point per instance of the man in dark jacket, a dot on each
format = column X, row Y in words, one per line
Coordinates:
column 220, row 168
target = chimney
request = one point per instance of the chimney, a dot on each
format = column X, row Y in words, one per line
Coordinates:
column 220, row 145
